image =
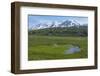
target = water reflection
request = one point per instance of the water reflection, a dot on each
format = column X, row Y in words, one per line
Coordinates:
column 72, row 50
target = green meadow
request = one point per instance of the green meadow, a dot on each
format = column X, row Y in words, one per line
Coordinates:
column 53, row 47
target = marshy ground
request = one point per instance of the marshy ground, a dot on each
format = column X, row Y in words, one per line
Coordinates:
column 54, row 47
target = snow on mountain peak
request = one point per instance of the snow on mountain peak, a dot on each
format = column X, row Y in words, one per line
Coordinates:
column 66, row 23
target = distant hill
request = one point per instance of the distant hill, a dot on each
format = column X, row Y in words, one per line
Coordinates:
column 61, row 31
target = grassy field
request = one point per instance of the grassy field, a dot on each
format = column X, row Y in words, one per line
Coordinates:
column 51, row 47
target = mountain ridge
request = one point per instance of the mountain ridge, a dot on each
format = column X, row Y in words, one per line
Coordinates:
column 66, row 23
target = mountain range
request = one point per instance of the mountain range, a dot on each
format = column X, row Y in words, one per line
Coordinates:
column 66, row 23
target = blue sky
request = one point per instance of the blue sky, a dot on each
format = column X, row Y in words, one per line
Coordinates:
column 36, row 19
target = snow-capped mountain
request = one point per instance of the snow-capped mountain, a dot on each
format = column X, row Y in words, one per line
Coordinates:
column 69, row 23
column 66, row 23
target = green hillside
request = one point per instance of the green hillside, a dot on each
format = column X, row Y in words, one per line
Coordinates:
column 61, row 31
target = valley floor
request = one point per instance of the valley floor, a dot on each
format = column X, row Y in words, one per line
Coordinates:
column 52, row 47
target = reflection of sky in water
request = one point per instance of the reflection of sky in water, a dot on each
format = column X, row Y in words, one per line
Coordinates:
column 72, row 50
column 36, row 19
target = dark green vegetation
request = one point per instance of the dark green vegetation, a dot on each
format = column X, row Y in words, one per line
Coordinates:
column 61, row 31
column 53, row 47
